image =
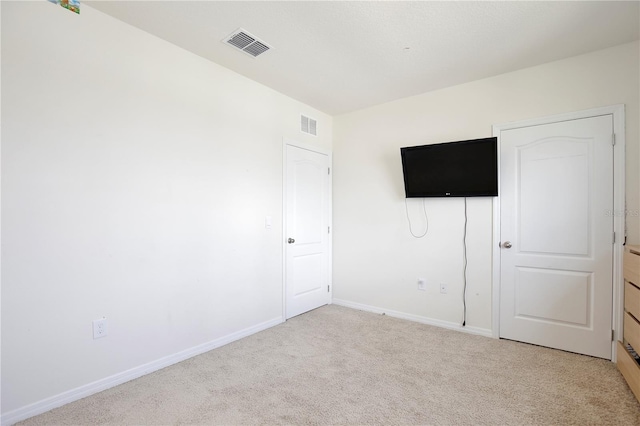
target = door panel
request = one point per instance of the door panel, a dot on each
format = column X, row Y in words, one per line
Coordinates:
column 568, row 291
column 307, row 225
column 307, row 274
column 553, row 173
column 556, row 278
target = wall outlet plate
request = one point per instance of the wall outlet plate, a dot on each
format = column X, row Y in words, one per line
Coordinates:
column 422, row 285
column 99, row 328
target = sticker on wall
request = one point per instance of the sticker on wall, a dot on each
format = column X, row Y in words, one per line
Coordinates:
column 72, row 5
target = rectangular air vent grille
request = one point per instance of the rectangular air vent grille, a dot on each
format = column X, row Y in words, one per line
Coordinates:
column 246, row 42
column 308, row 125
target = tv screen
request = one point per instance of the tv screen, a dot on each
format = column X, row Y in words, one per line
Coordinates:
column 454, row 169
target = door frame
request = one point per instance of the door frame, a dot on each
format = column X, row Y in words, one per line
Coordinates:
column 619, row 219
column 290, row 142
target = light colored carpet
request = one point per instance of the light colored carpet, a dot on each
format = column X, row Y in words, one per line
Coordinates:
column 336, row 365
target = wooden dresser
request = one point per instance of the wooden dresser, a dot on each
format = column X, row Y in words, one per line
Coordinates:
column 627, row 364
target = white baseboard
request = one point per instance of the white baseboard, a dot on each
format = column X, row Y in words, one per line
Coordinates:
column 417, row 318
column 108, row 382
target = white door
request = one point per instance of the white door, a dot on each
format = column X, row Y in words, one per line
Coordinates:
column 556, row 232
column 307, row 230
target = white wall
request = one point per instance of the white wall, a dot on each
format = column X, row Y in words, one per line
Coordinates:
column 376, row 261
column 136, row 178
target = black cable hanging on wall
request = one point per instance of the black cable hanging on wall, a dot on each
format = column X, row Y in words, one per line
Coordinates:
column 464, row 251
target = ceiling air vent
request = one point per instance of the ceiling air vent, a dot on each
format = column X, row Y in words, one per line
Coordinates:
column 248, row 43
column 308, row 125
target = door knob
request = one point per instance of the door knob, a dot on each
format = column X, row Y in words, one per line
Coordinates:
column 291, row 241
column 506, row 244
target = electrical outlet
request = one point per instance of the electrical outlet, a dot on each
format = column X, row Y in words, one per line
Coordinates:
column 422, row 285
column 443, row 288
column 99, row 328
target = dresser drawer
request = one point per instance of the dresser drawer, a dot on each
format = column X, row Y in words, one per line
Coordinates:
column 631, row 266
column 632, row 300
column 631, row 331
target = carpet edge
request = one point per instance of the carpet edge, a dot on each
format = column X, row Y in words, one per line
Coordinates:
column 415, row 318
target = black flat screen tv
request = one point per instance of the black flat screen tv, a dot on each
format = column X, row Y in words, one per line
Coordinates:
column 453, row 169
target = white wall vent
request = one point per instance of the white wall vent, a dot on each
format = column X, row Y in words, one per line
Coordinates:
column 246, row 42
column 308, row 125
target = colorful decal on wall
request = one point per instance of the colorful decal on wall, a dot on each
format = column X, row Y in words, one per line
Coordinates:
column 72, row 5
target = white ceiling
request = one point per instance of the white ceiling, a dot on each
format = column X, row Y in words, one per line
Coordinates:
column 340, row 56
